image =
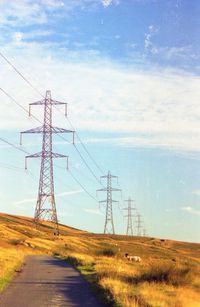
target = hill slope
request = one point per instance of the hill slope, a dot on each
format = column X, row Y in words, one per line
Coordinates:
column 168, row 274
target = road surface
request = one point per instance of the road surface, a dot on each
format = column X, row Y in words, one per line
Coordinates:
column 46, row 281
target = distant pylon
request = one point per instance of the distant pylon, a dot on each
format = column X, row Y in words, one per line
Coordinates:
column 109, row 224
column 138, row 224
column 144, row 233
column 46, row 206
column 130, row 208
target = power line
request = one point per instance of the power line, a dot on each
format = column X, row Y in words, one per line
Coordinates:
column 91, row 171
column 14, row 146
column 11, row 167
column 77, row 181
column 82, row 186
column 83, row 145
column 52, row 128
column 9, row 96
column 18, row 104
column 33, row 87
column 20, row 74
column 22, row 150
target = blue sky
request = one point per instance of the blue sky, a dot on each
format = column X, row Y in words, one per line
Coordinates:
column 130, row 73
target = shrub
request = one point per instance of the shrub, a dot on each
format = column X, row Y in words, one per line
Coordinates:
column 109, row 252
column 171, row 274
column 15, row 241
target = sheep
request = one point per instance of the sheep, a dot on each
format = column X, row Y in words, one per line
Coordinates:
column 133, row 258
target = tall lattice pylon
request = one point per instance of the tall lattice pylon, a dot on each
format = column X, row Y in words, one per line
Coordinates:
column 109, row 224
column 139, row 224
column 130, row 208
column 46, row 206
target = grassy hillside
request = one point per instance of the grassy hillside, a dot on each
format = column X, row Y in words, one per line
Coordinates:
column 168, row 275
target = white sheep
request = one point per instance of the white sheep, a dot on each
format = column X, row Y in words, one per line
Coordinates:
column 133, row 258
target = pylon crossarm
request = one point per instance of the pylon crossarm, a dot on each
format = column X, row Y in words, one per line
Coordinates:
column 111, row 176
column 41, row 154
column 104, row 189
column 43, row 102
column 37, row 103
column 61, row 130
column 56, row 102
column 34, row 130
column 44, row 129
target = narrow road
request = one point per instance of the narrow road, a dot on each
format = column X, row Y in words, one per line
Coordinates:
column 46, row 281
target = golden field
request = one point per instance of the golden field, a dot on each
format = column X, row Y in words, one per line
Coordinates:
column 168, row 275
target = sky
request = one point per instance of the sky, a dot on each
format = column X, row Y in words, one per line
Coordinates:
column 129, row 71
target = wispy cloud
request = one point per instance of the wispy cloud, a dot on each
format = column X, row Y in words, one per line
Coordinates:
column 21, row 36
column 30, row 200
column 165, row 114
column 21, row 12
column 23, row 201
column 148, row 44
column 69, row 193
column 93, row 211
column 191, row 210
column 196, row 192
column 64, row 214
column 106, row 2
column 39, row 12
column 164, row 52
column 152, row 108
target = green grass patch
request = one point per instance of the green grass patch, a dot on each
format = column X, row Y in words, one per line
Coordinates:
column 4, row 281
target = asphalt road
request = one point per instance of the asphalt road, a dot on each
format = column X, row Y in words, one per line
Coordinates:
column 46, row 281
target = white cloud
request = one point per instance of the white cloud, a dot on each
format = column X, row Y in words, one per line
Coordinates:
column 160, row 108
column 18, row 36
column 39, row 12
column 93, row 211
column 23, row 201
column 148, row 44
column 196, row 192
column 191, row 210
column 167, row 52
column 155, row 109
column 106, row 2
column 30, row 200
column 21, row 12
column 69, row 193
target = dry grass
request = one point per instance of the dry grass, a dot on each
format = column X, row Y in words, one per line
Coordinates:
column 168, row 276
column 8, row 264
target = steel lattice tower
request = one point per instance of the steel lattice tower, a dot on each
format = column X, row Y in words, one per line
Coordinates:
column 139, row 224
column 129, row 230
column 46, row 206
column 109, row 201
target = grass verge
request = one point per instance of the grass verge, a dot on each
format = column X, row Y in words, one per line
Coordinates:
column 87, row 270
column 9, row 274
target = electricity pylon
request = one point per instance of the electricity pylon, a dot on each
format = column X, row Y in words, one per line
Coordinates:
column 109, row 201
column 138, row 224
column 144, row 233
column 46, row 206
column 130, row 208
